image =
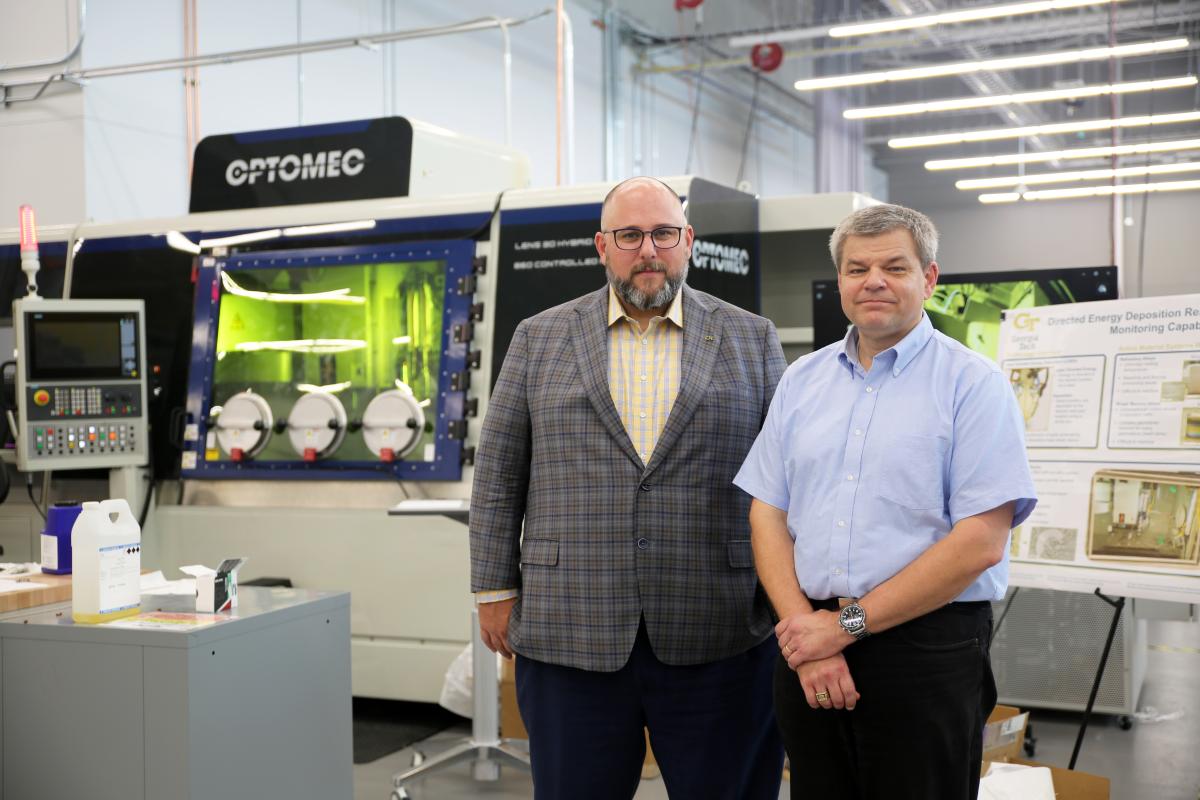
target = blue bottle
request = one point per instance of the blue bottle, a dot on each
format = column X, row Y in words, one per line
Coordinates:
column 56, row 538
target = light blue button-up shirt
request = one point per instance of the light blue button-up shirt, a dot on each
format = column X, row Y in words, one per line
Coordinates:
column 873, row 467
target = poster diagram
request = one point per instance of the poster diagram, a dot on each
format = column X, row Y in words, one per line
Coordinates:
column 1110, row 394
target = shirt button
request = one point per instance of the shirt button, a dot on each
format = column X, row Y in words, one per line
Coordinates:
column 643, row 544
column 849, row 477
column 858, row 431
column 869, row 390
column 895, row 373
column 645, row 341
column 841, row 523
column 642, row 415
column 642, row 378
column 837, row 571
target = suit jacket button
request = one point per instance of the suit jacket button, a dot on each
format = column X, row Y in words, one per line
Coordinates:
column 645, row 487
column 643, row 544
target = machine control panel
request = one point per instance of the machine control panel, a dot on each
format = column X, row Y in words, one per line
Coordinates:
column 69, row 439
column 83, row 401
column 80, row 383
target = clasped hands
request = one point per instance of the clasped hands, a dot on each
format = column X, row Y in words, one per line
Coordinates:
column 812, row 642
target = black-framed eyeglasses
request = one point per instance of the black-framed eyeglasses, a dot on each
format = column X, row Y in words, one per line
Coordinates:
column 664, row 238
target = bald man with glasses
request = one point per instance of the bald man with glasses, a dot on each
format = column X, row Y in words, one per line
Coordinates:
column 611, row 439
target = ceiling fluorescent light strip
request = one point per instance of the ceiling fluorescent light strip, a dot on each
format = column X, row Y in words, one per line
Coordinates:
column 993, row 64
column 1060, row 155
column 990, row 101
column 1075, row 175
column 952, row 17
column 1091, row 191
column 992, row 134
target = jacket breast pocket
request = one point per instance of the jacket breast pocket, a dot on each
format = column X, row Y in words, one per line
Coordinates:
column 912, row 473
column 539, row 552
column 741, row 554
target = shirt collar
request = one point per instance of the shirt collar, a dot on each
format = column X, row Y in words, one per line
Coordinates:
column 906, row 349
column 616, row 311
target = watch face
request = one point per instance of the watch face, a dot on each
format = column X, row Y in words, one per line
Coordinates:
column 853, row 617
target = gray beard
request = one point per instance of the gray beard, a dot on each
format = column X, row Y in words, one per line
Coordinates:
column 638, row 299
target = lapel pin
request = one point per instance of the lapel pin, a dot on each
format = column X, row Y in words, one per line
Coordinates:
column 710, row 338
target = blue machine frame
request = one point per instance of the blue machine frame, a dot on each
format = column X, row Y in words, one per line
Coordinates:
column 448, row 450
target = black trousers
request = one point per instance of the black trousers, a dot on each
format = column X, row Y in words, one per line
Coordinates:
column 917, row 731
column 711, row 726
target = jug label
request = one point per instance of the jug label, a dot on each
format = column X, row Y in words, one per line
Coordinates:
column 49, row 551
column 120, row 568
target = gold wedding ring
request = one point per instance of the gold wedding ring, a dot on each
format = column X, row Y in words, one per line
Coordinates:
column 822, row 697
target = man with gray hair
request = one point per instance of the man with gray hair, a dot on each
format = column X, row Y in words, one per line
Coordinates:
column 613, row 434
column 887, row 476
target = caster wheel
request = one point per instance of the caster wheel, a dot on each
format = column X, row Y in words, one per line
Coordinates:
column 418, row 758
column 401, row 794
column 1125, row 722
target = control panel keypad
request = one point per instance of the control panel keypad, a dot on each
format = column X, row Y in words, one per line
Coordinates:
column 81, row 440
column 81, row 402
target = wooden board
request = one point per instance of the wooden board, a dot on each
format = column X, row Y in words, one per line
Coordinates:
column 56, row 590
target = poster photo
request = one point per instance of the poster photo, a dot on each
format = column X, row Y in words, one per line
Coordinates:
column 1110, row 395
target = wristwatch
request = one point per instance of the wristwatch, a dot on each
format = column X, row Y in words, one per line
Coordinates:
column 853, row 620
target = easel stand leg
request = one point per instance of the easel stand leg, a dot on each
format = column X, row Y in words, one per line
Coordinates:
column 1118, row 605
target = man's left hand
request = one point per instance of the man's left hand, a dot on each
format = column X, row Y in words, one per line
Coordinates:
column 811, row 637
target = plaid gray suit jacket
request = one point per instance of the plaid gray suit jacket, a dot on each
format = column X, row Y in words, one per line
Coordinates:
column 606, row 538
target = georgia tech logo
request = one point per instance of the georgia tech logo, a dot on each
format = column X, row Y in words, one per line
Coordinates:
column 291, row 167
column 1025, row 322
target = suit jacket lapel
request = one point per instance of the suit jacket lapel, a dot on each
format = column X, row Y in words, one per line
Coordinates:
column 589, row 336
column 701, row 341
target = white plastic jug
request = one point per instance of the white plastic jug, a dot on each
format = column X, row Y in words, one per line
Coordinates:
column 106, row 544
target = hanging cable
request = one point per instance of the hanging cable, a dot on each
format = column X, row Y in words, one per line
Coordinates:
column 687, row 164
column 29, row 491
column 749, row 127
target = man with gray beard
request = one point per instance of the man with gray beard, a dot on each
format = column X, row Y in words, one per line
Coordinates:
column 611, row 438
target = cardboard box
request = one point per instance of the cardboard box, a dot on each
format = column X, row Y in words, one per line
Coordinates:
column 1004, row 734
column 216, row 589
column 513, row 727
column 1070, row 784
column 1003, row 740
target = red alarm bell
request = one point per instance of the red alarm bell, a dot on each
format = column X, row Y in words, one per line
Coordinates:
column 766, row 57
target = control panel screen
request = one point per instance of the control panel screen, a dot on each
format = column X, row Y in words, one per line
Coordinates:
column 65, row 346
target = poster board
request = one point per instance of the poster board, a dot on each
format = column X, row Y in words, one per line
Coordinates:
column 1110, row 393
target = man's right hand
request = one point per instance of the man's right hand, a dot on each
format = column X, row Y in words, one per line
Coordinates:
column 493, row 625
column 831, row 676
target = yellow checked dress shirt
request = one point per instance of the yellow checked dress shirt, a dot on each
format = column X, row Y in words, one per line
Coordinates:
column 643, row 378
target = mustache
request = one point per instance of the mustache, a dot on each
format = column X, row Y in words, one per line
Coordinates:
column 654, row 266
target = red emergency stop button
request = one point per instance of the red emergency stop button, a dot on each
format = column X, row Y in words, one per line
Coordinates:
column 41, row 397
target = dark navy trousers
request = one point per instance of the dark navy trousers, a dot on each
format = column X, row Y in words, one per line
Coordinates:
column 711, row 726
